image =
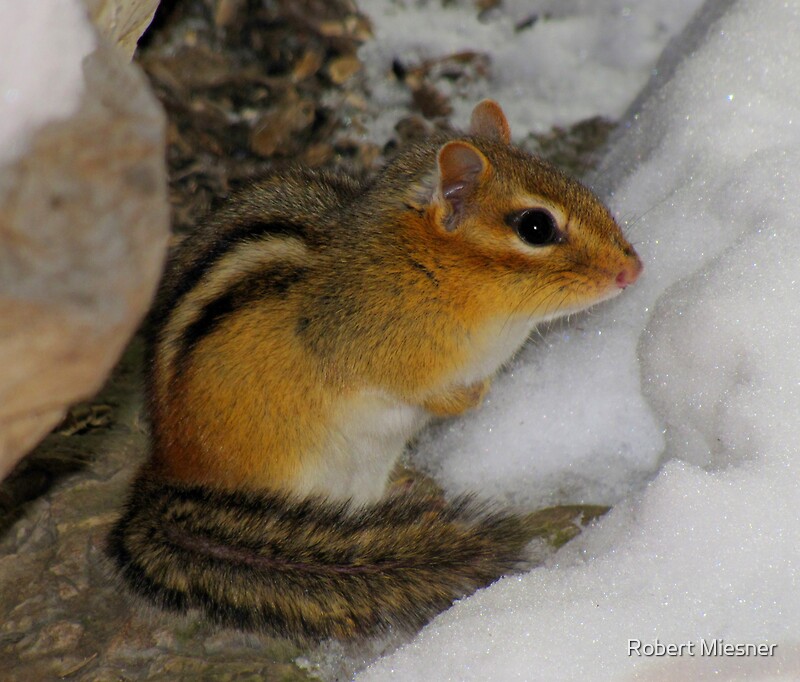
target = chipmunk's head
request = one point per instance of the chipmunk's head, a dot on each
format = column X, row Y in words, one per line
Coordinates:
column 546, row 241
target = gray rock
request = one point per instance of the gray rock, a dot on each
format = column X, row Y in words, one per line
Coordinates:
column 83, row 232
column 122, row 21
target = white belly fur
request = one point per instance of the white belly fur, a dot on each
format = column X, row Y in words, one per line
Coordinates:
column 494, row 346
column 367, row 437
column 371, row 430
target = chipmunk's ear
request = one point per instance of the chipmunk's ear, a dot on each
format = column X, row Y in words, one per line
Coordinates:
column 461, row 167
column 488, row 120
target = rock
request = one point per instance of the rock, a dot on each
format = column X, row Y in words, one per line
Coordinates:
column 83, row 231
column 342, row 68
column 308, row 64
column 430, row 102
column 226, row 12
column 355, row 27
column 276, row 132
column 54, row 638
column 318, row 154
column 122, row 21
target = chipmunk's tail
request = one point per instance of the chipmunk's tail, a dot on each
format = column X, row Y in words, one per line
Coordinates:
column 310, row 569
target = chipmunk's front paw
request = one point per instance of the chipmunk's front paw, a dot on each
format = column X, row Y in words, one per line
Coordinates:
column 458, row 399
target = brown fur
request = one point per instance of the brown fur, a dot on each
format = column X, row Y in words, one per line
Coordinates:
column 308, row 306
column 241, row 558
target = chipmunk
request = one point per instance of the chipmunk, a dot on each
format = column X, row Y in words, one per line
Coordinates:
column 302, row 336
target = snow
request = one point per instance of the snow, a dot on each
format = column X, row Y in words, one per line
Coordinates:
column 42, row 46
column 580, row 58
column 677, row 402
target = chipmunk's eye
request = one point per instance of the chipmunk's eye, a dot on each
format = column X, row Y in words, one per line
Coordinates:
column 535, row 226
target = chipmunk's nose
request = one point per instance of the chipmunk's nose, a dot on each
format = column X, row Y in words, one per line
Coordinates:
column 630, row 273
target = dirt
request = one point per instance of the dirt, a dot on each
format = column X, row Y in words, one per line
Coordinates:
column 249, row 86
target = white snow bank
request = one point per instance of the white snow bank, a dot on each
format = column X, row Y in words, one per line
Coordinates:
column 714, row 568
column 42, row 46
column 698, row 362
column 575, row 59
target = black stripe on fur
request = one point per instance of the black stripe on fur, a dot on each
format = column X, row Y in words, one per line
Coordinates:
column 249, row 231
column 254, row 287
column 310, row 569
